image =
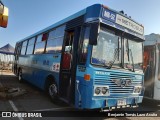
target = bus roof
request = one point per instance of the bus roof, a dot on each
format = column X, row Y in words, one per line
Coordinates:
column 80, row 13
column 96, row 9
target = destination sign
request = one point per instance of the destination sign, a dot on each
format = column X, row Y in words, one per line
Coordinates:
column 123, row 21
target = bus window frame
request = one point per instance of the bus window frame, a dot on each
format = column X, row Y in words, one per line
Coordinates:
column 17, row 52
column 121, row 35
column 116, row 32
column 31, row 44
column 36, row 37
column 16, row 48
column 20, row 45
column 23, row 46
column 80, row 44
column 56, row 51
column 63, row 37
column 113, row 31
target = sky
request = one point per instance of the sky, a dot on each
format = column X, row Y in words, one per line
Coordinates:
column 29, row 16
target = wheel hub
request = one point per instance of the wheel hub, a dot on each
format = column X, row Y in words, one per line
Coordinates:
column 52, row 90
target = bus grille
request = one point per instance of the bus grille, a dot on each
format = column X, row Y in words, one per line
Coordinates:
column 114, row 88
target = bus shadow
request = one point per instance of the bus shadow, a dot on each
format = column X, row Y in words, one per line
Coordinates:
column 11, row 81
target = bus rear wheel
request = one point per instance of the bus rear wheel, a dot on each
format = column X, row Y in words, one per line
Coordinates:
column 53, row 91
column 20, row 79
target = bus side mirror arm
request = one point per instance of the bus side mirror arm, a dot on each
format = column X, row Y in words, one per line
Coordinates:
column 94, row 30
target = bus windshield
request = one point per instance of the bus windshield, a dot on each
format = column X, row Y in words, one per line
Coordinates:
column 132, row 54
column 108, row 51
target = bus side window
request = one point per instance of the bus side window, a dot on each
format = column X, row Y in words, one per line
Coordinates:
column 24, row 45
column 84, row 45
column 30, row 46
column 55, row 40
column 40, row 43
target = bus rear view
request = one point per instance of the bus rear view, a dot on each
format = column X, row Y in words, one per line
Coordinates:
column 96, row 63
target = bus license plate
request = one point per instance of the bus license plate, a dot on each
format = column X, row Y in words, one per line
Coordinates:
column 121, row 102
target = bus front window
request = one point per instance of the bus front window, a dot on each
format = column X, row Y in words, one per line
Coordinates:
column 133, row 54
column 107, row 52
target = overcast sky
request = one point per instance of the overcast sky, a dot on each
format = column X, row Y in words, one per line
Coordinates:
column 29, row 16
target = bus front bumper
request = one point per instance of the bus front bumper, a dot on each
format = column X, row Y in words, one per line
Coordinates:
column 116, row 102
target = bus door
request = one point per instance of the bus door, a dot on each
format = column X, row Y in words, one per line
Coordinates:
column 68, row 65
column 149, row 74
column 157, row 74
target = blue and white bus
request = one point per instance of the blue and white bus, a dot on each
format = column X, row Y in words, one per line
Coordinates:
column 92, row 59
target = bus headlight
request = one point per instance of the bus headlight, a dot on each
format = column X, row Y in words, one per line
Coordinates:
column 97, row 90
column 101, row 90
column 104, row 90
column 137, row 89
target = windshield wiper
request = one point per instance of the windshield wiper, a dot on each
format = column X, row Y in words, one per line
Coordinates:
column 115, row 57
column 130, row 51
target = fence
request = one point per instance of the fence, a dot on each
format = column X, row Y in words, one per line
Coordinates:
column 6, row 62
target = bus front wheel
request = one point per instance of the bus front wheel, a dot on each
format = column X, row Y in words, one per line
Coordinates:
column 53, row 91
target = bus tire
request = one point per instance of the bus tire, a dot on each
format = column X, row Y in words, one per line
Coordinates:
column 20, row 79
column 53, row 91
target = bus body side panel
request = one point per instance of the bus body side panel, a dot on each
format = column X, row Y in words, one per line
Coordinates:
column 36, row 68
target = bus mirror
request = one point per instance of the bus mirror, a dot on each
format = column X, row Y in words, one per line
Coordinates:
column 4, row 18
column 93, row 34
